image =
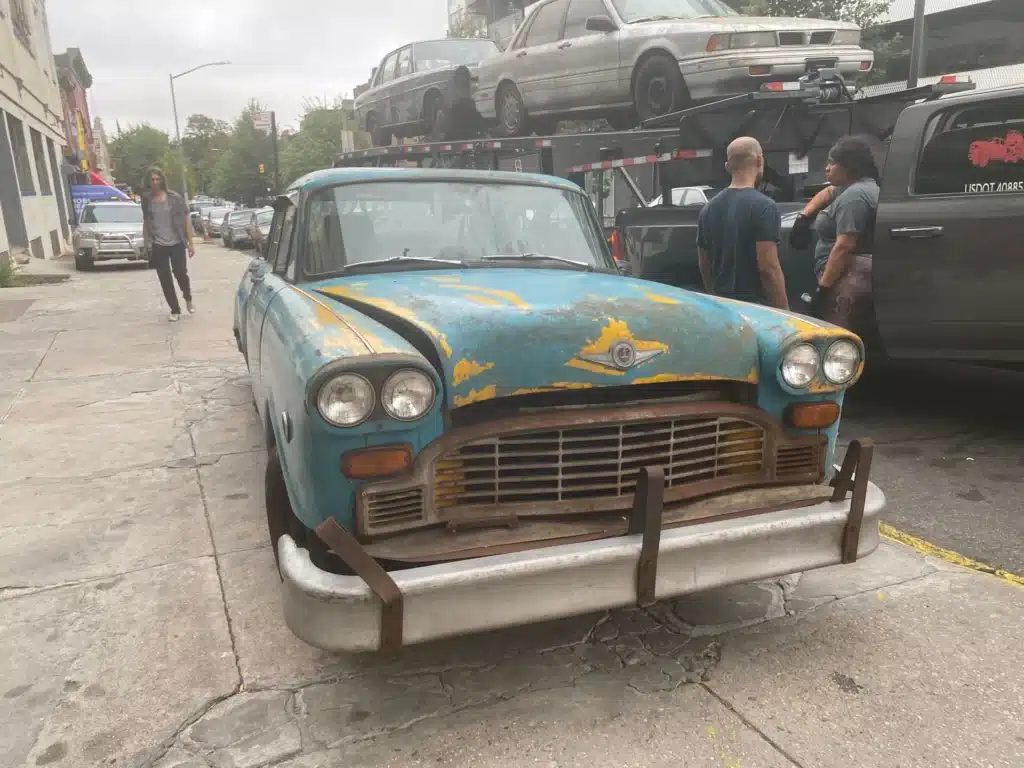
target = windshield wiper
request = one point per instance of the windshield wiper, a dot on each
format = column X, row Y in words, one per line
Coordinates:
column 417, row 259
column 537, row 257
column 654, row 18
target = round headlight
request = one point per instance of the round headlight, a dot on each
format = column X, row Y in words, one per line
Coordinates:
column 407, row 394
column 800, row 365
column 346, row 400
column 841, row 362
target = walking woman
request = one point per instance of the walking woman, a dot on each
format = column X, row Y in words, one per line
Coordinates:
column 168, row 234
column 843, row 217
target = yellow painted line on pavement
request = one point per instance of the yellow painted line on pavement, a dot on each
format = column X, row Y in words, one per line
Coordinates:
column 927, row 548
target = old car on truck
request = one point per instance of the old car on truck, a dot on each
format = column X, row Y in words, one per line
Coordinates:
column 631, row 60
column 474, row 420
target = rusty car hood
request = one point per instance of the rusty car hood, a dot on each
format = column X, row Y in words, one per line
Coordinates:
column 510, row 331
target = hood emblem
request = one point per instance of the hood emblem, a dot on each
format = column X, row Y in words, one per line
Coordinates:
column 621, row 355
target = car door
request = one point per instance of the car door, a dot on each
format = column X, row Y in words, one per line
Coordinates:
column 590, row 59
column 402, row 90
column 265, row 284
column 948, row 248
column 381, row 102
column 538, row 63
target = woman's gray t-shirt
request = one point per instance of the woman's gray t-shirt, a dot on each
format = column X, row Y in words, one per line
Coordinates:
column 163, row 223
column 852, row 212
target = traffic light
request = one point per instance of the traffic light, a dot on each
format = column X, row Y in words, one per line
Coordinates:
column 261, row 168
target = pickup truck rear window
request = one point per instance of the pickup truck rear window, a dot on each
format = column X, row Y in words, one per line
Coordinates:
column 975, row 151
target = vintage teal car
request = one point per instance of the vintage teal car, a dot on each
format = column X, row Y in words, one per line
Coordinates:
column 474, row 421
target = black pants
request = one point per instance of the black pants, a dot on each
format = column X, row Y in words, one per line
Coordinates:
column 167, row 259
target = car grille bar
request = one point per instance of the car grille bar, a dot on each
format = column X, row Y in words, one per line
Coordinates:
column 582, row 461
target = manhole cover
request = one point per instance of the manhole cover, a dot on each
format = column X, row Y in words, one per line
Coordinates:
column 12, row 309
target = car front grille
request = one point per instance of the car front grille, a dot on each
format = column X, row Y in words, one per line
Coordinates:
column 586, row 467
column 115, row 243
column 591, row 462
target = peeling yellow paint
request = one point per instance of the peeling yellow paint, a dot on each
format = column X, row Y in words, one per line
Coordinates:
column 553, row 387
column 467, row 369
column 445, row 278
column 497, row 293
column 664, row 378
column 657, row 297
column 753, row 375
column 324, row 316
column 487, row 301
column 387, row 305
column 584, row 365
column 477, row 395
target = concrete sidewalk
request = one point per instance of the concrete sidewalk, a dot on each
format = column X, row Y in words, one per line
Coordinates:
column 140, row 621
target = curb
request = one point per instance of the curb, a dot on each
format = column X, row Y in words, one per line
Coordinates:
column 931, row 550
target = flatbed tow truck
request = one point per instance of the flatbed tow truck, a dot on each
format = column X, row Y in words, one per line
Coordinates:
column 943, row 286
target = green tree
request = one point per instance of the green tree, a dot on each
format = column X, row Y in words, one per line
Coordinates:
column 318, row 140
column 136, row 150
column 466, row 26
column 236, row 174
column 864, row 13
column 204, row 140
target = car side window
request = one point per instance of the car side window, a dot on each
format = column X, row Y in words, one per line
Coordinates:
column 387, row 69
column 547, row 24
column 579, row 12
column 404, row 62
column 285, row 249
column 977, row 150
column 274, row 238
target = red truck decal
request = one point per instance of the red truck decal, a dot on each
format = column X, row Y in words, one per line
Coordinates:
column 998, row 150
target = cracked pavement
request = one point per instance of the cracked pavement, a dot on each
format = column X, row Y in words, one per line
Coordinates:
column 140, row 616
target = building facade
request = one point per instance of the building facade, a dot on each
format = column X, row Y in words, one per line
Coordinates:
column 983, row 39
column 74, row 80
column 34, row 198
column 100, row 154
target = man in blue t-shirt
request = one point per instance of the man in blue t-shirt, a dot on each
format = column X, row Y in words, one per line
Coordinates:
column 738, row 234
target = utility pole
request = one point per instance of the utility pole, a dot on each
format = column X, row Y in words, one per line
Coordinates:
column 918, row 45
column 181, row 149
column 277, row 165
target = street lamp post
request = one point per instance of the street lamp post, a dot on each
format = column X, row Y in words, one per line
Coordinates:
column 177, row 130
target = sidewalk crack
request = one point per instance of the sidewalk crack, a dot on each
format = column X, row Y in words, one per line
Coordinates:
column 764, row 736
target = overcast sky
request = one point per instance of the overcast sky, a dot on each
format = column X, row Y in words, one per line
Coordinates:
column 282, row 51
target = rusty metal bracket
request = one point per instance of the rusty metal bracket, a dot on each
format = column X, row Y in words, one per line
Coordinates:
column 645, row 519
column 853, row 476
column 345, row 546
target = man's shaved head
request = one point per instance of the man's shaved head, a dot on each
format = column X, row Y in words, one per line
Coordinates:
column 743, row 155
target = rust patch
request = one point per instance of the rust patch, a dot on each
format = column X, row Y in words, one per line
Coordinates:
column 477, row 395
column 467, row 369
column 553, row 387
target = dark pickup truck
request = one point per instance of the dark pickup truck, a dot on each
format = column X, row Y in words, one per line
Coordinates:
column 948, row 260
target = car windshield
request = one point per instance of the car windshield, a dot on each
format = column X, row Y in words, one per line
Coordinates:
column 451, row 53
column 238, row 218
column 637, row 10
column 112, row 214
column 264, row 217
column 216, row 213
column 454, row 220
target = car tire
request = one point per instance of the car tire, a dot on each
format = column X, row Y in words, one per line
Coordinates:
column 512, row 118
column 622, row 121
column 378, row 136
column 658, row 87
column 83, row 263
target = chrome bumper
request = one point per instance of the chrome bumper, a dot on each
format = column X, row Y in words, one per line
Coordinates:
column 729, row 75
column 343, row 613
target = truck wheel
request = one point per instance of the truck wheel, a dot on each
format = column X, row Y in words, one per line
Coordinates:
column 658, row 87
column 83, row 263
column 512, row 118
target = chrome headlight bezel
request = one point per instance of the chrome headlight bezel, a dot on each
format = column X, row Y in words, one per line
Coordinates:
column 392, row 381
column 858, row 360
column 357, row 380
column 811, row 352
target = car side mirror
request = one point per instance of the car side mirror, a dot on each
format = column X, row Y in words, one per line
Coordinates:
column 601, row 24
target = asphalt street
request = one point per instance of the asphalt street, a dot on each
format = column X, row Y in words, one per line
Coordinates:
column 141, row 623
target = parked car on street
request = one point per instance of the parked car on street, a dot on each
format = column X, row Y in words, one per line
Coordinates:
column 235, row 231
column 212, row 220
column 109, row 232
column 631, row 60
column 410, row 85
column 259, row 228
column 470, row 412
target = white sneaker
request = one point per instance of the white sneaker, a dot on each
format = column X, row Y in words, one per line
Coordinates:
column 190, row 307
column 174, row 317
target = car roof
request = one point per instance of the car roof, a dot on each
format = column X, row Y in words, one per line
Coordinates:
column 334, row 176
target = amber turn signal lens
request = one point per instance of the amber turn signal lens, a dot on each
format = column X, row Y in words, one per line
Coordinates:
column 376, row 462
column 812, row 415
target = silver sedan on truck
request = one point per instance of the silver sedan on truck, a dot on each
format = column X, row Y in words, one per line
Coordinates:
column 631, row 60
